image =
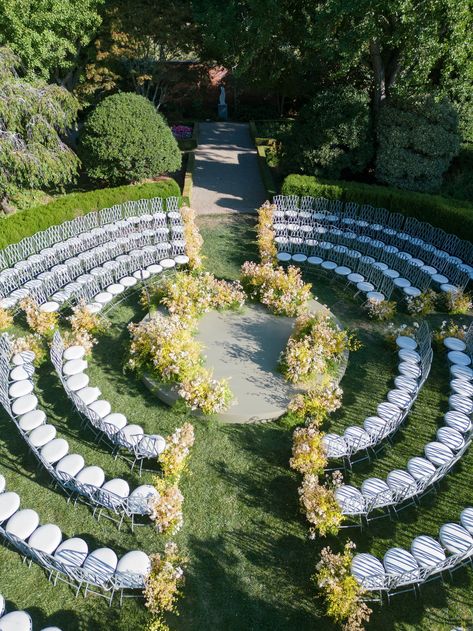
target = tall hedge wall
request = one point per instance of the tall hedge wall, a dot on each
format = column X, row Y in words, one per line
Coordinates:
column 15, row 227
column 452, row 215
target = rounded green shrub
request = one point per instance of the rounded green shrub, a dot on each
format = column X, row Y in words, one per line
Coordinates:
column 418, row 138
column 125, row 140
column 332, row 136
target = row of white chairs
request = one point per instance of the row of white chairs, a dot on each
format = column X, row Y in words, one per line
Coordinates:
column 427, row 559
column 68, row 470
column 404, row 487
column 17, row 620
column 151, row 213
column 99, row 571
column 358, row 442
column 111, row 426
column 397, row 228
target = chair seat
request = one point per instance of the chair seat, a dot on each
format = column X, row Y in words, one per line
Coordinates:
column 92, row 475
column 412, row 292
column 364, row 286
column 455, row 538
column 342, row 270
column 350, row 500
column 167, row 263
column 94, row 307
column 458, row 421
column 383, row 267
column 101, row 407
column 314, row 260
column 406, row 383
column 181, row 259
column 466, row 519
column 73, row 352
column 377, row 492
column 56, row 449
column 461, row 403
column 151, row 446
column 88, row 395
column 439, row 278
column 399, row 480
column 16, row 621
column 299, row 258
column 328, row 265
column 451, row 438
column 140, row 498
column 154, row 268
column 20, row 388
column 447, row 288
column 103, row 298
column 438, row 453
column 399, row 397
column 72, row 552
column 131, row 281
column 375, row 296
column 420, row 468
column 335, row 446
column 77, row 382
column 117, row 486
column 25, row 357
column 19, row 373
column 9, row 504
column 401, row 282
column 390, row 273
column 49, row 307
column 454, row 344
column 23, row 523
column 116, row 419
column 70, row 465
column 134, row 562
column 42, row 435
column 461, row 372
column 46, row 538
column 408, row 355
column 376, row 427
column 102, row 561
column 74, row 366
column 368, row 571
column 407, row 342
column 115, row 289
column 131, row 434
column 355, row 278
column 410, row 370
column 388, row 411
column 25, row 404
column 357, row 437
column 427, row 552
column 457, row 357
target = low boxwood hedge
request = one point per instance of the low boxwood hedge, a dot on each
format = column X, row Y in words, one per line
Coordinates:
column 452, row 215
column 15, row 227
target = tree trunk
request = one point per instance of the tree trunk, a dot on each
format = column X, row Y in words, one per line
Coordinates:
column 5, row 205
column 379, row 76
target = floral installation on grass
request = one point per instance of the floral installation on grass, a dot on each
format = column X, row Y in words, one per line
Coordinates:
column 449, row 328
column 265, row 231
column 32, row 342
column 423, row 304
column 166, row 506
column 6, row 319
column 376, row 310
column 317, row 403
column 283, row 292
column 203, row 392
column 343, row 594
column 174, row 458
column 192, row 237
column 319, row 504
column 458, row 302
column 308, row 453
column 42, row 322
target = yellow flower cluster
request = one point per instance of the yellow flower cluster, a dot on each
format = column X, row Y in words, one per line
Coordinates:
column 6, row 319
column 308, row 453
column 83, row 320
column 42, row 322
column 166, row 507
column 342, row 592
column 320, row 506
column 32, row 342
column 265, row 231
column 317, row 403
column 192, row 238
column 164, row 582
column 203, row 392
column 283, row 292
column 174, row 458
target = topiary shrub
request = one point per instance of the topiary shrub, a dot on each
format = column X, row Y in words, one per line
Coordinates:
column 125, row 140
column 332, row 135
column 418, row 139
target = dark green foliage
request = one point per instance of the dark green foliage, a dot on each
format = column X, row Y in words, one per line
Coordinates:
column 332, row 136
column 13, row 228
column 450, row 214
column 125, row 140
column 417, row 140
column 458, row 181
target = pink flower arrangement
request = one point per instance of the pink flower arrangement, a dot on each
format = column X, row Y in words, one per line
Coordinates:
column 181, row 132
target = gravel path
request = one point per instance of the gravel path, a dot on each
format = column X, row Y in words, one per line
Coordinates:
column 226, row 174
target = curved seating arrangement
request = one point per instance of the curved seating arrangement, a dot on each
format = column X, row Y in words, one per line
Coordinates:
column 357, row 442
column 404, row 486
column 112, row 426
column 428, row 558
column 99, row 571
column 105, row 251
column 68, row 470
column 17, row 620
column 366, row 246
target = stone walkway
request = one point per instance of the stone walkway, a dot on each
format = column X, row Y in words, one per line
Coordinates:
column 226, row 173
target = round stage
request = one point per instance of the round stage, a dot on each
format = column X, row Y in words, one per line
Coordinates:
column 244, row 347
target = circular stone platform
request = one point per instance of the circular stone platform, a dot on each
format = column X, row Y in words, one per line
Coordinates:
column 244, row 347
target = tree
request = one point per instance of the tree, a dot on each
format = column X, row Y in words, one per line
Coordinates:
column 48, row 35
column 418, row 139
column 32, row 119
column 332, row 136
column 124, row 140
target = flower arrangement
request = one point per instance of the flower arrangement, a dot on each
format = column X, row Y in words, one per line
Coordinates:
column 316, row 346
column 317, row 403
column 384, row 310
column 449, row 329
column 181, row 132
column 165, row 347
column 393, row 332
column 174, row 458
column 163, row 584
column 319, row 504
column 342, row 592
column 422, row 304
column 42, row 322
column 79, row 338
column 6, row 319
column 308, row 453
column 265, row 231
column 192, row 238
column 283, row 292
column 458, row 302
column 202, row 392
column 83, row 320
column 189, row 296
column 166, row 507
column 32, row 342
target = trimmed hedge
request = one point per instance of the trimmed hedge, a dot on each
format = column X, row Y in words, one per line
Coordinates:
column 265, row 171
column 453, row 216
column 23, row 224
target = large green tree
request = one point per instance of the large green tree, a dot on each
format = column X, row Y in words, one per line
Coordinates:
column 33, row 116
column 49, row 35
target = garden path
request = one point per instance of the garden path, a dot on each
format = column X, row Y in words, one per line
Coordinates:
column 226, row 174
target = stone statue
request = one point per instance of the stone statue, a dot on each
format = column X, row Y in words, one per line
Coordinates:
column 222, row 96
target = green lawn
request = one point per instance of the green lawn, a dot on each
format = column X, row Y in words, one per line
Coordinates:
column 250, row 559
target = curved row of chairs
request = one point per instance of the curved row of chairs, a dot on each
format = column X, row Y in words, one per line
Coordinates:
column 68, row 470
column 428, row 559
column 99, row 571
column 55, row 275
column 358, row 442
column 111, row 426
column 17, row 620
column 420, row 238
column 405, row 486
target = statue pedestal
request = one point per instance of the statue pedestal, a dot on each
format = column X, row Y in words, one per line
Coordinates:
column 222, row 111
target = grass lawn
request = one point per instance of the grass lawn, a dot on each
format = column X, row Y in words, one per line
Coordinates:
column 250, row 559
